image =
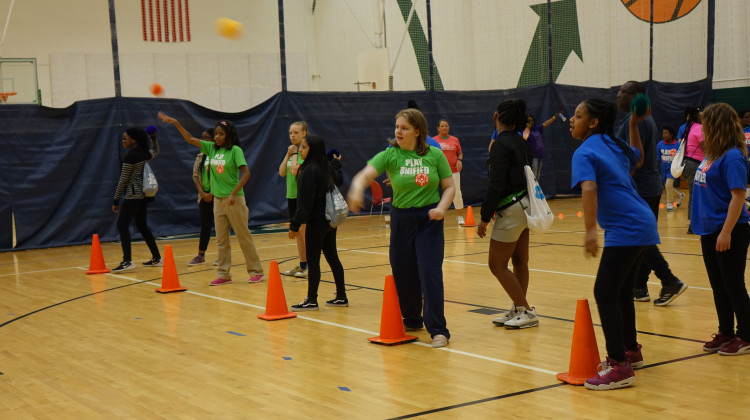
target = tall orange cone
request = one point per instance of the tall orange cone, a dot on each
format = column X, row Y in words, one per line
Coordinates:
column 96, row 266
column 469, row 217
column 276, row 307
column 169, row 281
column 584, row 353
column 391, row 323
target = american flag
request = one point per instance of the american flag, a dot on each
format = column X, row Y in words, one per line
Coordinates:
column 165, row 20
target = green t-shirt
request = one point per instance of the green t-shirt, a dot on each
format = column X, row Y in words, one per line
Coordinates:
column 204, row 175
column 291, row 180
column 224, row 167
column 415, row 179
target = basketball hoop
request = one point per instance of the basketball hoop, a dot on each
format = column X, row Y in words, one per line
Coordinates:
column 5, row 95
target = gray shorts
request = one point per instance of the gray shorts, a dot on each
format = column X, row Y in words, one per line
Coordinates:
column 510, row 222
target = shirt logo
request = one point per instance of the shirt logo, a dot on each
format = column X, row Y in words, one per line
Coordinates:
column 422, row 179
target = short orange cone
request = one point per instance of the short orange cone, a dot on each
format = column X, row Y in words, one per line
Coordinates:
column 584, row 353
column 96, row 266
column 276, row 307
column 469, row 218
column 391, row 323
column 169, row 281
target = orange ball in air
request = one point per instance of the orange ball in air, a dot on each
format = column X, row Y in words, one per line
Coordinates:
column 156, row 89
column 228, row 28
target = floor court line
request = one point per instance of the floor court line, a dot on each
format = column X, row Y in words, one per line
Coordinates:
column 530, row 269
column 333, row 324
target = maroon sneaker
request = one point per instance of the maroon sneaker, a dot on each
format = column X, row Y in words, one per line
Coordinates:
column 611, row 376
column 736, row 347
column 717, row 342
column 635, row 358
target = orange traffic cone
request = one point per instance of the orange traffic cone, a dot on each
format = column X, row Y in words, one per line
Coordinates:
column 276, row 307
column 169, row 281
column 584, row 353
column 391, row 324
column 96, row 266
column 469, row 218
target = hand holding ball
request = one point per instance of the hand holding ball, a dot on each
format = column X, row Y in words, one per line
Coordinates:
column 156, row 89
column 640, row 104
column 229, row 28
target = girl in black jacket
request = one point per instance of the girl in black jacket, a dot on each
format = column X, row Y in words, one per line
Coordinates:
column 507, row 196
column 316, row 177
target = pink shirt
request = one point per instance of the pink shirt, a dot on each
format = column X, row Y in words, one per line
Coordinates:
column 694, row 138
column 451, row 149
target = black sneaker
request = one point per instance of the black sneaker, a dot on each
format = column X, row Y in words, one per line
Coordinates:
column 670, row 293
column 307, row 305
column 338, row 301
column 641, row 295
column 156, row 262
column 124, row 266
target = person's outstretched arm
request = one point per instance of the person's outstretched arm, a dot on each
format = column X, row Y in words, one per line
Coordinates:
column 185, row 135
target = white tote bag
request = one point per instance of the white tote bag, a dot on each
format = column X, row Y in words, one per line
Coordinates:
column 539, row 217
column 677, row 164
column 150, row 186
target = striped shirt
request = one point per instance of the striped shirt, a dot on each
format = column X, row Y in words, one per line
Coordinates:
column 131, row 175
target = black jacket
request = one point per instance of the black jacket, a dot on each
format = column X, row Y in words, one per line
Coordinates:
column 311, row 193
column 508, row 155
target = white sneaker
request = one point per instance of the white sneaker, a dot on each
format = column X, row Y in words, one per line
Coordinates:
column 461, row 220
column 525, row 318
column 302, row 273
column 512, row 313
column 679, row 199
column 292, row 272
column 670, row 207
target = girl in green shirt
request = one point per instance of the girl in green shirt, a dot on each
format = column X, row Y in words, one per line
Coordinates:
column 228, row 174
column 288, row 169
column 417, row 172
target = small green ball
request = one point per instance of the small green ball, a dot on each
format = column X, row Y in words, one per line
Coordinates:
column 640, row 104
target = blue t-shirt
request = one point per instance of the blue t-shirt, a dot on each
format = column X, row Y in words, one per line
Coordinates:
column 665, row 154
column 712, row 188
column 621, row 212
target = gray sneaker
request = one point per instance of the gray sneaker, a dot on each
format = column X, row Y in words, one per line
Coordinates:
column 124, row 266
column 156, row 262
column 526, row 318
column 670, row 293
column 301, row 274
column 512, row 313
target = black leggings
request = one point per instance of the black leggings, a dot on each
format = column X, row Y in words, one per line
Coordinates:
column 653, row 259
column 613, row 291
column 135, row 210
column 321, row 236
column 726, row 273
column 207, row 222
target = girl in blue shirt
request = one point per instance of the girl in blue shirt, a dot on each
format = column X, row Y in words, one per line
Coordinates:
column 721, row 220
column 602, row 167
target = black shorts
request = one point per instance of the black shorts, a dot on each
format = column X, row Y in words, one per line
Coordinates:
column 292, row 206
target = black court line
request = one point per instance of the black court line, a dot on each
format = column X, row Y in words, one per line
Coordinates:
column 71, row 300
column 531, row 390
column 484, row 400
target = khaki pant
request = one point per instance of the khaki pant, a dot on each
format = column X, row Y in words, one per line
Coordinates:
column 236, row 217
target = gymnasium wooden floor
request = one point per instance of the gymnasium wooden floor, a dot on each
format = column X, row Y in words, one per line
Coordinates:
column 107, row 346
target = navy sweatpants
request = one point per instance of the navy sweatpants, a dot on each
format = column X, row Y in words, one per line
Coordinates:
column 416, row 254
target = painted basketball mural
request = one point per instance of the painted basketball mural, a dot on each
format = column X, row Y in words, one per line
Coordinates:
column 664, row 10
